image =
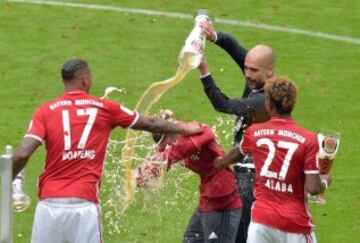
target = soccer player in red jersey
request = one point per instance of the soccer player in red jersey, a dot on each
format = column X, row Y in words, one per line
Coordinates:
column 75, row 129
column 285, row 157
column 217, row 216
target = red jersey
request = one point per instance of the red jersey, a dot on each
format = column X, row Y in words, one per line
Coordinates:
column 218, row 190
column 75, row 129
column 283, row 153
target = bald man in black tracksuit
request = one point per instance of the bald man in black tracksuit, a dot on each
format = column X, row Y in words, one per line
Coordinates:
column 257, row 66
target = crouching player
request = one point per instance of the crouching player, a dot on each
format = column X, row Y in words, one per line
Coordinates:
column 285, row 164
column 217, row 217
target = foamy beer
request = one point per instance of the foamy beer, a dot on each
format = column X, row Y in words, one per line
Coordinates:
column 20, row 200
column 194, row 47
column 329, row 142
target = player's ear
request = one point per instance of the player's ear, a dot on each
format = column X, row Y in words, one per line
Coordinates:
column 268, row 105
column 270, row 71
column 86, row 81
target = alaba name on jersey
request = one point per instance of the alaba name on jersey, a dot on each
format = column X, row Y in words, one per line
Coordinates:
column 283, row 153
column 75, row 129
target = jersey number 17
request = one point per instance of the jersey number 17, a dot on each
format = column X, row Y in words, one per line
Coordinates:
column 91, row 113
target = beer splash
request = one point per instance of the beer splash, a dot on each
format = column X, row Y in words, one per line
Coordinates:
column 174, row 192
column 147, row 100
column 189, row 58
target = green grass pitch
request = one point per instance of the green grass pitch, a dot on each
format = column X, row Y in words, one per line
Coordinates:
column 131, row 51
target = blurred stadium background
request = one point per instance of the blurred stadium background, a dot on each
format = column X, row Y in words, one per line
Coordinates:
column 131, row 50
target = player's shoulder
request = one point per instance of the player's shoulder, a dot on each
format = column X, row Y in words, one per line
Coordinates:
column 50, row 104
column 206, row 131
column 95, row 98
column 303, row 130
column 115, row 107
column 205, row 127
column 103, row 103
column 308, row 134
column 257, row 126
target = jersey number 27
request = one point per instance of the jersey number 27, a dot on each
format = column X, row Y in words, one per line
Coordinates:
column 290, row 147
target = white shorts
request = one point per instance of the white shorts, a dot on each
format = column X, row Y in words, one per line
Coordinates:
column 265, row 234
column 67, row 220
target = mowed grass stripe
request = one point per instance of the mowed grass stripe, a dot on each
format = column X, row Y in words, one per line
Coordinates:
column 249, row 24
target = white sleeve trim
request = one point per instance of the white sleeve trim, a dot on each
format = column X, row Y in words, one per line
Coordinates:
column 241, row 142
column 205, row 75
column 135, row 120
column 247, row 165
column 311, row 172
column 325, row 183
column 35, row 137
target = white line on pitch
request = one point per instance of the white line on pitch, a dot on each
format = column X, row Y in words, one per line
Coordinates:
column 249, row 24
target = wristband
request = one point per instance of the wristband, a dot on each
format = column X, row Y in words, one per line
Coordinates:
column 215, row 39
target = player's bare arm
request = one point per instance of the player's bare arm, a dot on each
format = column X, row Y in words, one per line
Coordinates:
column 230, row 158
column 23, row 153
column 315, row 183
column 158, row 125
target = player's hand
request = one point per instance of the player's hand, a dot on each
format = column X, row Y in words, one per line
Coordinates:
column 327, row 178
column 208, row 30
column 146, row 173
column 219, row 163
column 141, row 180
column 203, row 67
column 192, row 128
column 206, row 131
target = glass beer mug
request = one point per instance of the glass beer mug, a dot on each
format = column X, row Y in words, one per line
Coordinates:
column 329, row 142
column 20, row 201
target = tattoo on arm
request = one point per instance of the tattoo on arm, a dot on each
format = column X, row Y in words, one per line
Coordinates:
column 155, row 124
column 23, row 153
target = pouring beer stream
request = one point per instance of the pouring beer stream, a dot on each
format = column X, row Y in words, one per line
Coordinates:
column 189, row 58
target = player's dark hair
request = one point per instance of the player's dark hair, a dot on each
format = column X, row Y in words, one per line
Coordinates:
column 157, row 137
column 281, row 92
column 73, row 68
